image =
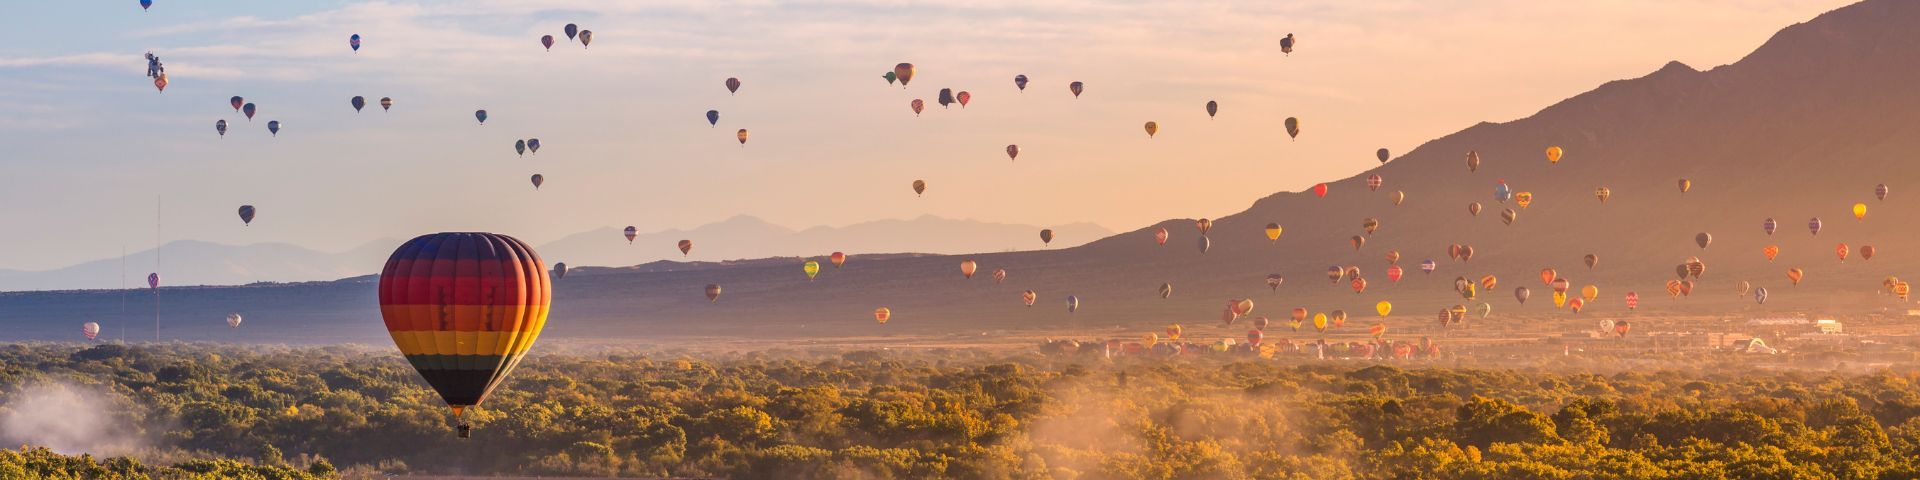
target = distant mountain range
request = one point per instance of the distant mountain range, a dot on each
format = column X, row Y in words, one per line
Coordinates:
column 191, row 262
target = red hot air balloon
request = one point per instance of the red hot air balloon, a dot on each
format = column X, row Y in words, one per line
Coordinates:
column 685, row 247
column 963, row 97
column 464, row 308
column 236, row 101
column 90, row 329
column 631, row 232
column 1320, row 190
column 1160, row 236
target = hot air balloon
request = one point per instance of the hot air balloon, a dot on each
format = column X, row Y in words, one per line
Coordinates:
column 1374, row 181
column 1357, row 241
column 1602, row 193
column 1293, row 128
column 571, row 30
column 1013, row 152
column 1466, row 253
column 917, row 105
column 464, row 308
column 742, row 136
column 1393, row 256
column 1473, row 208
column 1685, row 185
column 1769, row 226
column 713, row 118
column 1273, row 232
column 963, row 97
column 1029, row 297
column 144, row 5
column 1152, row 128
column 1381, row 154
column 354, row 41
column 839, row 259
column 1702, row 239
column 1473, row 161
column 1359, row 285
column 1621, row 327
column 1561, row 285
column 480, row 115
column 1076, row 88
column 1212, row 108
column 358, row 103
column 1485, row 309
column 1633, row 300
column 733, row 85
column 586, row 38
column 537, row 180
column 1383, row 308
column 1205, row 243
column 1393, row 273
column 237, row 102
column 686, row 246
column 90, row 329
column 1859, row 209
column 1591, row 260
column 220, row 127
column 1274, row 280
column 1286, row 45
column 920, row 187
column 1320, row 322
column 1487, row 282
column 1427, row 266
column 1334, row 273
column 1369, row 225
column 153, row 280
column 1255, row 336
column 273, row 127
column 967, row 267
column 946, row 97
column 1173, row 331
column 1399, row 196
column 811, row 268
column 533, row 145
column 713, row 293
column 1020, row 81
column 1320, row 190
column 160, row 83
column 559, row 270
column 1501, row 192
column 1160, row 236
column 631, row 232
column 1548, row 275
column 547, row 41
column 1795, row 274
column 889, row 76
column 1377, row 330
column 882, row 314
column 1841, row 251
column 1590, row 292
column 1553, row 154
column 1521, row 294
column 1240, row 306
column 1559, row 299
column 1880, row 192
column 1523, row 198
column 248, row 109
column 1576, row 305
column 1453, row 251
column 520, row 147
column 1073, row 304
column 246, row 214
column 1744, row 286
column 904, row 72
column 1046, row 236
column 1866, row 252
column 386, row 103
column 1814, row 225
column 1507, row 216
column 1760, row 295
column 1166, row 291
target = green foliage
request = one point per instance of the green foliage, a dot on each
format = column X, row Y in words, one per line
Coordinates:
column 295, row 413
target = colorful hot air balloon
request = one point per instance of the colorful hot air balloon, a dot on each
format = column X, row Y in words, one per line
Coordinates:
column 1383, row 308
column 1046, row 236
column 1795, row 275
column 917, row 105
column 1554, row 153
column 1204, row 225
column 1685, row 185
column 1020, row 81
column 999, row 275
column 713, row 118
column 90, row 330
column 1273, row 232
column 1880, row 192
column 160, row 83
column 1427, row 266
column 1381, row 154
column 1013, row 152
column 1357, row 241
column 904, row 72
column 1399, row 196
column 1507, row 216
column 713, row 293
column 586, row 38
column 1859, row 209
column 1334, row 273
column 153, row 280
column 1377, row 330
column 811, row 268
column 1393, row 273
column 1274, row 280
column 1293, row 128
column 480, row 115
column 839, row 259
column 1521, row 294
column 1814, row 225
column 1213, row 108
column 733, row 85
column 686, row 246
column 742, row 136
column 246, row 214
column 920, row 187
column 386, row 103
column 537, row 180
column 1160, row 236
column 1255, row 336
column 1523, row 199
column 1393, row 256
column 967, row 267
column 882, row 314
column 1501, row 192
column 1369, row 225
column 354, row 41
column 1152, row 128
column 1076, row 88
column 273, row 127
column 464, row 308
column 547, row 41
column 237, row 102
column 1633, row 300
column 1359, row 285
column 221, row 127
column 1029, row 297
column 630, row 232
column 1487, row 282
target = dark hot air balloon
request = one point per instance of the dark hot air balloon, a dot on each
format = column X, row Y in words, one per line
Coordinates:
column 246, row 214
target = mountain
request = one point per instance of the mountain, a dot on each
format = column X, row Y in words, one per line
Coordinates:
column 189, row 262
column 749, row 237
column 1803, row 127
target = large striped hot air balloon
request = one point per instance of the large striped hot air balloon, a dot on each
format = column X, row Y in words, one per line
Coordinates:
column 464, row 308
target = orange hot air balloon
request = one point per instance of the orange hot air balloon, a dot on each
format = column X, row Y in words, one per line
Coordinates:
column 1488, row 282
column 1370, row 225
column 464, row 308
column 1273, row 232
column 1204, row 225
column 1160, row 236
column 1359, row 285
column 1377, row 330
column 1771, row 251
column 1686, row 288
column 1152, row 128
column 1299, row 315
column 838, row 259
column 967, row 268
column 1866, row 252
column 1241, row 307
column 1576, row 305
column 1547, row 276
column 918, row 106
column 1673, row 288
column 1860, row 211
column 1523, row 198
column 685, row 247
column 1029, row 297
column 1507, row 216
column 1358, row 241
column 1603, row 193
column 882, row 314
column 1685, row 185
column 1554, row 153
column 160, row 83
column 742, row 134
column 904, row 72
column 1841, row 251
column 1795, row 275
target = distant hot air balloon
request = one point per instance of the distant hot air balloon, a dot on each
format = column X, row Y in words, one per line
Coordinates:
column 713, row 118
column 1393, row 256
column 1760, row 295
column 811, row 268
column 248, row 110
column 1501, row 192
column 1866, row 252
column 1590, row 292
column 741, row 135
column 963, row 97
column 160, row 83
column 882, row 314
column 1814, row 225
column 1507, row 216
column 1166, row 291
column 1204, row 225
column 533, row 145
column 571, row 31
column 1293, row 128
column 1427, row 266
column 1320, row 190
column 92, row 330
column 480, row 115
column 1174, row 331
column 1377, row 330
column 1160, row 236
column 1029, row 297
column 1487, row 282
column 839, row 259
column 1255, row 336
column 733, row 85
column 437, row 312
column 1073, row 304
column 999, row 275
column 354, row 41
column 917, row 105
column 631, row 232
column 1320, row 322
column 1357, row 241
column 1880, row 192
column 1576, row 305
column 246, row 214
column 1702, row 239
column 1020, row 81
column 1205, row 243
column 559, row 270
column 1399, row 196
column 1274, row 280
column 1473, row 208
column 1769, row 226
column 220, row 127
column 153, row 280
column 1359, row 285
column 1521, row 294
column 144, row 5
column 1859, row 209
column 1046, row 236
column 1841, row 251
column 1554, row 153
column 1334, row 273
column 237, row 102
column 586, row 38
column 1152, row 128
column 904, row 72
column 686, row 247
column 1633, row 300
column 1466, row 253
column 386, row 103
column 1286, row 45
column 889, row 76
column 1603, row 193
column 273, row 127
column 1013, row 152
column 1473, row 161
column 1381, row 154
column 1213, row 108
column 713, row 293
column 967, row 267
column 1591, row 260
column 1369, row 225
column 1394, row 273
column 1383, row 308
column 1374, row 182
column 1076, row 88
column 1273, row 232
column 946, row 97
column 1685, row 185
column 547, row 41
column 1523, row 199
column 1744, row 286
column 1795, row 275
column 358, row 103
column 919, row 187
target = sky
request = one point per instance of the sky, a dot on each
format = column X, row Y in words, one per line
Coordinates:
column 95, row 156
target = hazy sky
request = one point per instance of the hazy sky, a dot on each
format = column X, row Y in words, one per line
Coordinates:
column 90, row 145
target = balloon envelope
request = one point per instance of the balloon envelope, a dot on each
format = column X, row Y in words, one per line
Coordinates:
column 464, row 308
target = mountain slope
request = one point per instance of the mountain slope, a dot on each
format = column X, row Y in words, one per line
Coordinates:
column 190, row 262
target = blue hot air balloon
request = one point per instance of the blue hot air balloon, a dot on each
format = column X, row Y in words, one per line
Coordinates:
column 354, row 41
column 713, row 117
column 480, row 115
column 273, row 127
column 146, row 4
column 571, row 31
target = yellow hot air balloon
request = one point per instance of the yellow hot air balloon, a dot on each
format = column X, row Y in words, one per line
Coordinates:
column 1860, row 211
column 1559, row 299
column 812, row 268
column 1590, row 292
column 1320, row 321
column 1523, row 198
column 1383, row 307
column 1273, row 232
column 1685, row 185
column 1553, row 154
column 1152, row 128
